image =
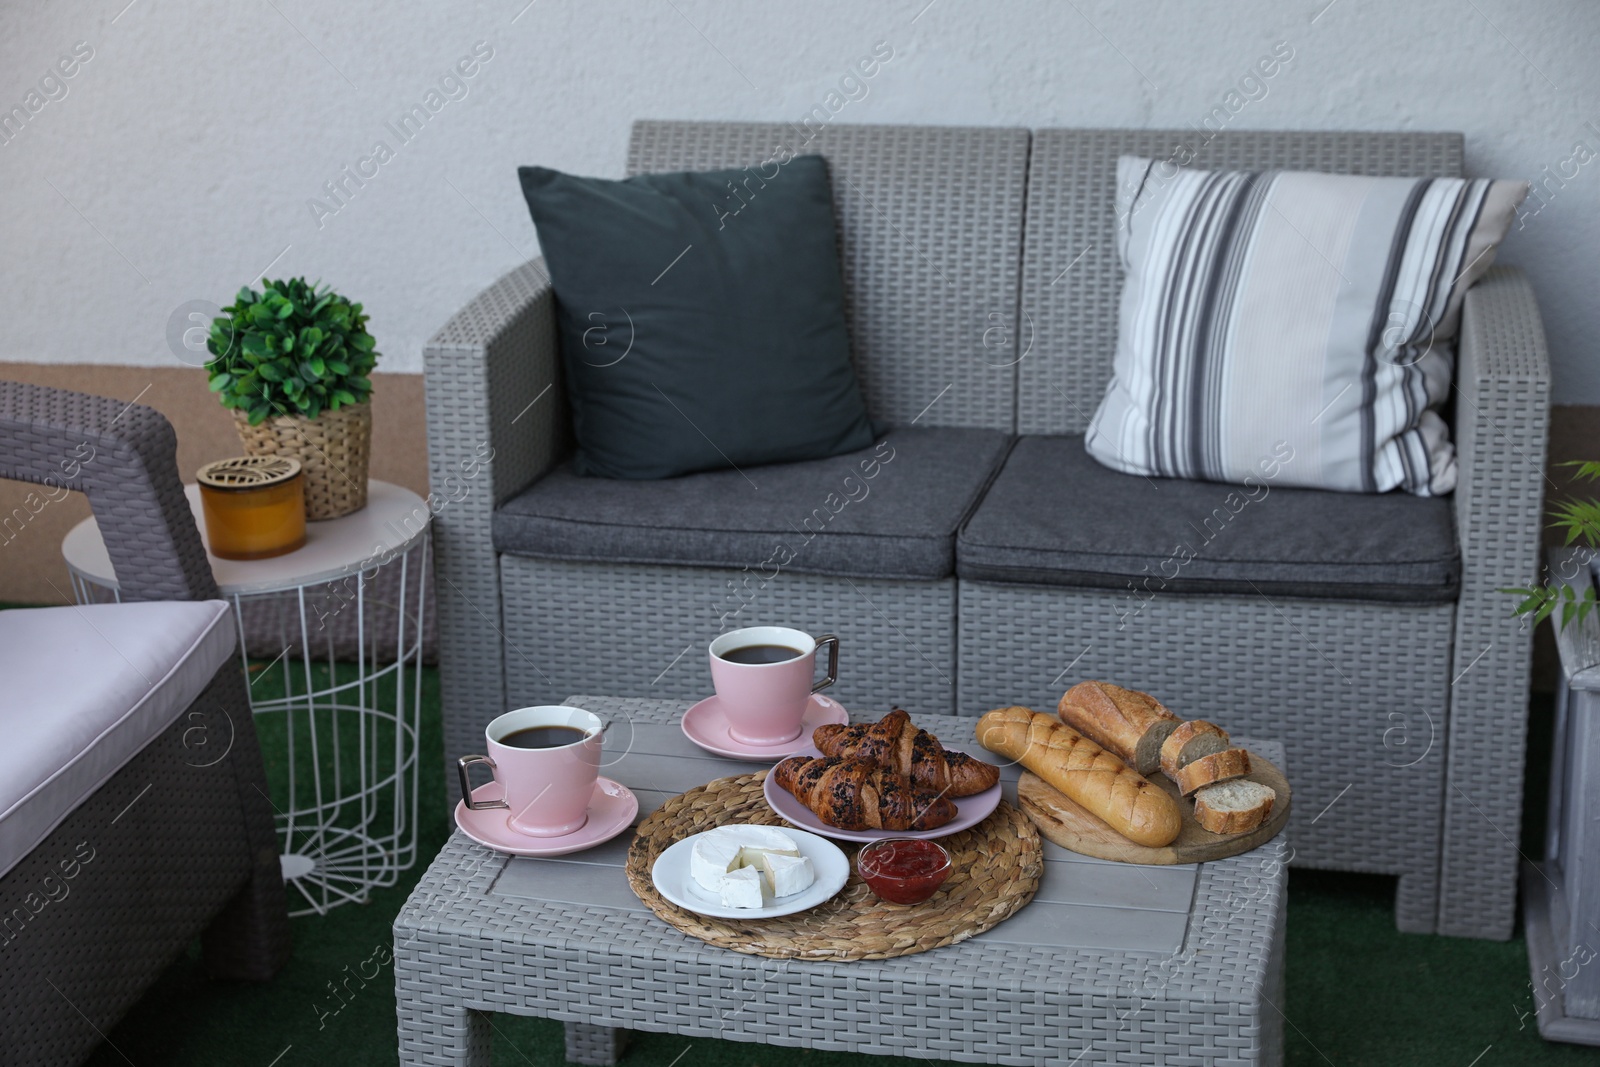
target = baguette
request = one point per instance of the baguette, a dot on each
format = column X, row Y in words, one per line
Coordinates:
column 1188, row 743
column 1209, row 770
column 1087, row 774
column 1233, row 807
column 1128, row 723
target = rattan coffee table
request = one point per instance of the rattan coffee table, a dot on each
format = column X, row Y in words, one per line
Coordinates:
column 1110, row 963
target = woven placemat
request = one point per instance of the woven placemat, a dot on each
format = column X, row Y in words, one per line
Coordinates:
column 995, row 871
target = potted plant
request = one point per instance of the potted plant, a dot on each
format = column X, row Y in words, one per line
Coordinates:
column 292, row 363
column 1581, row 521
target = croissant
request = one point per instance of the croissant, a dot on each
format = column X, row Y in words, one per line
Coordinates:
column 896, row 744
column 852, row 794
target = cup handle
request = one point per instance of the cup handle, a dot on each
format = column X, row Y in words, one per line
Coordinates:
column 466, row 784
column 833, row 662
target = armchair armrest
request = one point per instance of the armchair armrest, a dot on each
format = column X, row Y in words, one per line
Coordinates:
column 123, row 457
column 1502, row 420
column 496, row 413
column 496, row 422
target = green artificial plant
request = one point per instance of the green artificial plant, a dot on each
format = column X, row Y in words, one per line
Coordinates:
column 292, row 349
column 1581, row 521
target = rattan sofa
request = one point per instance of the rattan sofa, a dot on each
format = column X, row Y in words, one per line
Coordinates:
column 177, row 840
column 982, row 289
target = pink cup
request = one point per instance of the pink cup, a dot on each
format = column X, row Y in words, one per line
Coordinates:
column 765, row 702
column 546, row 790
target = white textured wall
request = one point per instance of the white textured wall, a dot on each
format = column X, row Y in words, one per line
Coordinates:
column 181, row 159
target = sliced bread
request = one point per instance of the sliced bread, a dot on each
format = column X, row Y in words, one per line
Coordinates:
column 1233, row 807
column 1209, row 770
column 1189, row 742
column 1130, row 724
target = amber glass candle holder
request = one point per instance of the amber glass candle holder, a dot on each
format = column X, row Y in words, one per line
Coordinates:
column 254, row 506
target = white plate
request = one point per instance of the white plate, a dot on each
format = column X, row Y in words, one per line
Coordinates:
column 673, row 881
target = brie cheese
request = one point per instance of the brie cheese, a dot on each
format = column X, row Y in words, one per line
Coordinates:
column 723, row 849
column 745, row 888
column 788, row 874
column 713, row 856
column 746, row 866
column 764, row 838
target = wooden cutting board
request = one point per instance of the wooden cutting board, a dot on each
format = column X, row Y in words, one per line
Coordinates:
column 1070, row 826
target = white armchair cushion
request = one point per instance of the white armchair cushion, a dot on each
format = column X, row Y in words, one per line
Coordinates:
column 85, row 689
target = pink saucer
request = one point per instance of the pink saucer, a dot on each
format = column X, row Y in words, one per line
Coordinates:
column 706, row 724
column 610, row 812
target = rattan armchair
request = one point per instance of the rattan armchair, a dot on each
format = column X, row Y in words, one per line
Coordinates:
column 180, row 839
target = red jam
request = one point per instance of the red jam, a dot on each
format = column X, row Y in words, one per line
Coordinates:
column 903, row 870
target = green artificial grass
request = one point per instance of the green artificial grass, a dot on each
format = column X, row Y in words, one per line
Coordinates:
column 1358, row 992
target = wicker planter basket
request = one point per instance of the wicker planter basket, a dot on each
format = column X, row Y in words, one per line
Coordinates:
column 332, row 448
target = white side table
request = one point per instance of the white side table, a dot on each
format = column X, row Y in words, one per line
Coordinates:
column 348, row 814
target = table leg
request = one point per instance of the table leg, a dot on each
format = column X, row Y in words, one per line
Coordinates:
column 599, row 1046
column 437, row 1034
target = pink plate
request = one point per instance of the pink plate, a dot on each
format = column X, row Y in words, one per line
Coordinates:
column 706, row 724
column 970, row 811
column 610, row 812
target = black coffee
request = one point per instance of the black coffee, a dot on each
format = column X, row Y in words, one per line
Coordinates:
column 760, row 654
column 544, row 737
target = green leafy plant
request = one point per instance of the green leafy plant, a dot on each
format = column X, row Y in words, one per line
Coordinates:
column 1581, row 521
column 292, row 349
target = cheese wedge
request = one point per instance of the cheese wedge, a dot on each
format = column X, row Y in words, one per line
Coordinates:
column 745, row 888
column 788, row 875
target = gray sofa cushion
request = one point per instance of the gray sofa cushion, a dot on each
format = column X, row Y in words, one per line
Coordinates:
column 889, row 511
column 1055, row 516
column 741, row 339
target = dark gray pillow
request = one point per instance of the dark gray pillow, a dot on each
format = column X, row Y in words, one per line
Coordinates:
column 701, row 317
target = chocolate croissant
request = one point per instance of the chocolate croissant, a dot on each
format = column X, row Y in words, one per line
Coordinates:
column 897, row 744
column 852, row 794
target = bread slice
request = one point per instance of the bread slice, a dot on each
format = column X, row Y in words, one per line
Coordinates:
column 1233, row 807
column 1189, row 742
column 1129, row 724
column 1209, row 770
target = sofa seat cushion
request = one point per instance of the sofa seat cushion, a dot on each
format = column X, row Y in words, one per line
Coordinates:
column 86, row 688
column 1056, row 516
column 889, row 511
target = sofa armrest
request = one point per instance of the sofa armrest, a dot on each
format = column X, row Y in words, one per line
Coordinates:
column 1502, row 419
column 496, row 422
column 123, row 457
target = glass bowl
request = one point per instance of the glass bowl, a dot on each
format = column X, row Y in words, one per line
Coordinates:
column 903, row 870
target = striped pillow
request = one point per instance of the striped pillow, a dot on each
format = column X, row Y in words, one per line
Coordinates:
column 1291, row 312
